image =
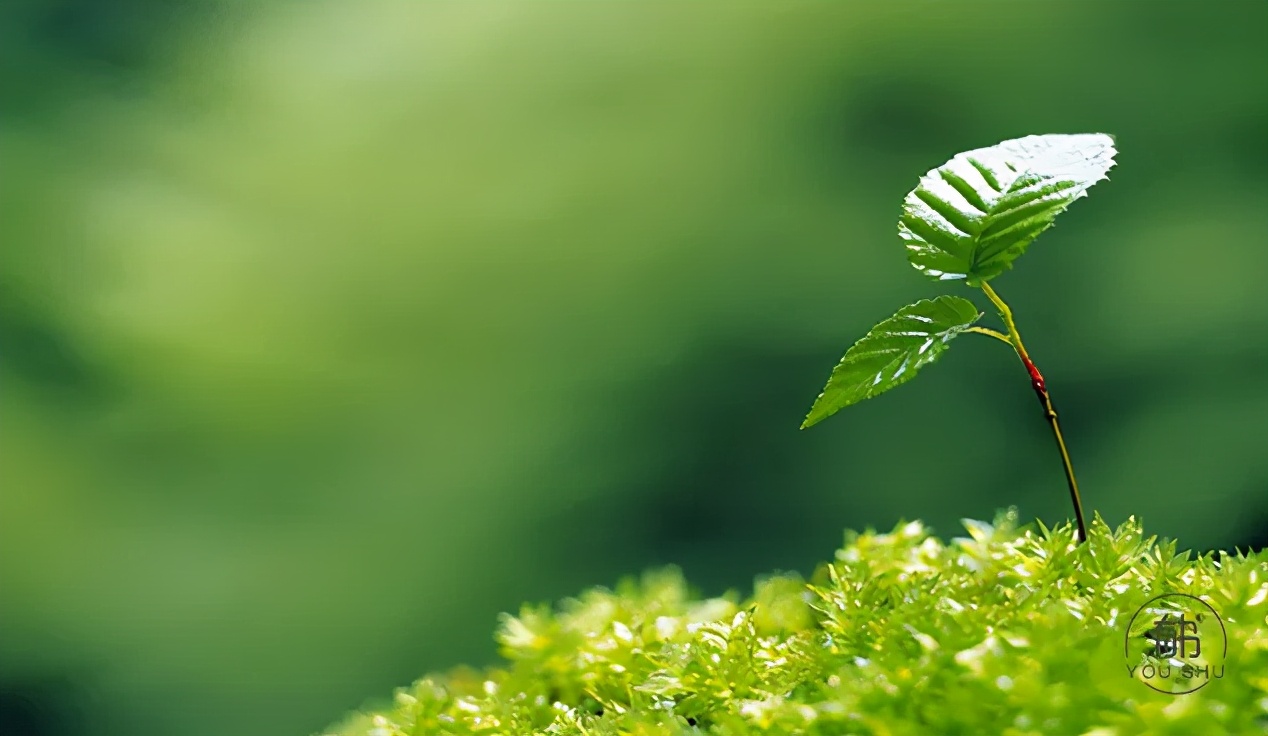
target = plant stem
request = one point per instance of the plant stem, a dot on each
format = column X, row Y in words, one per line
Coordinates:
column 1045, row 400
column 988, row 331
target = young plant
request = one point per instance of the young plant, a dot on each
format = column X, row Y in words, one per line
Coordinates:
column 968, row 220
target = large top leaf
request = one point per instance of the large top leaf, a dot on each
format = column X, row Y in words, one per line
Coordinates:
column 972, row 216
column 892, row 352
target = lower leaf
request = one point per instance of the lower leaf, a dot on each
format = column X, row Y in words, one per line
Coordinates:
column 892, row 352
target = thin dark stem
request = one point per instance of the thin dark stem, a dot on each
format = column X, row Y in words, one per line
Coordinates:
column 1045, row 400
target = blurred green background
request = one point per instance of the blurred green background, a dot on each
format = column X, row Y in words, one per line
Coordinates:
column 330, row 330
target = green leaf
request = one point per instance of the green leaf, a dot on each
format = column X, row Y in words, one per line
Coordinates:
column 975, row 214
column 892, row 352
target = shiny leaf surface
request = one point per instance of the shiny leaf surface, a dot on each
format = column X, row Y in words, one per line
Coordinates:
column 892, row 352
column 973, row 216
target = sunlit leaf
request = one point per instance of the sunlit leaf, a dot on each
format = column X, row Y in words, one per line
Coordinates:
column 892, row 352
column 975, row 214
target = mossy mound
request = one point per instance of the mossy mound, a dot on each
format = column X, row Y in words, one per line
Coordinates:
column 1008, row 631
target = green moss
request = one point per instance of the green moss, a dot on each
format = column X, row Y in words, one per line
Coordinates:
column 1009, row 631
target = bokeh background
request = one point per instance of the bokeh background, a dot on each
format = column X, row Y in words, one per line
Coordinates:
column 330, row 330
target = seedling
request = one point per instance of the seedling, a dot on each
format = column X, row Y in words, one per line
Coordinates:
column 968, row 220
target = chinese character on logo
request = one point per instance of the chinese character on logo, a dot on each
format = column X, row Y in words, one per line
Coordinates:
column 1170, row 637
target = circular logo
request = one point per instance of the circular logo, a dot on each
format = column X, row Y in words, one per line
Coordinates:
column 1176, row 644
